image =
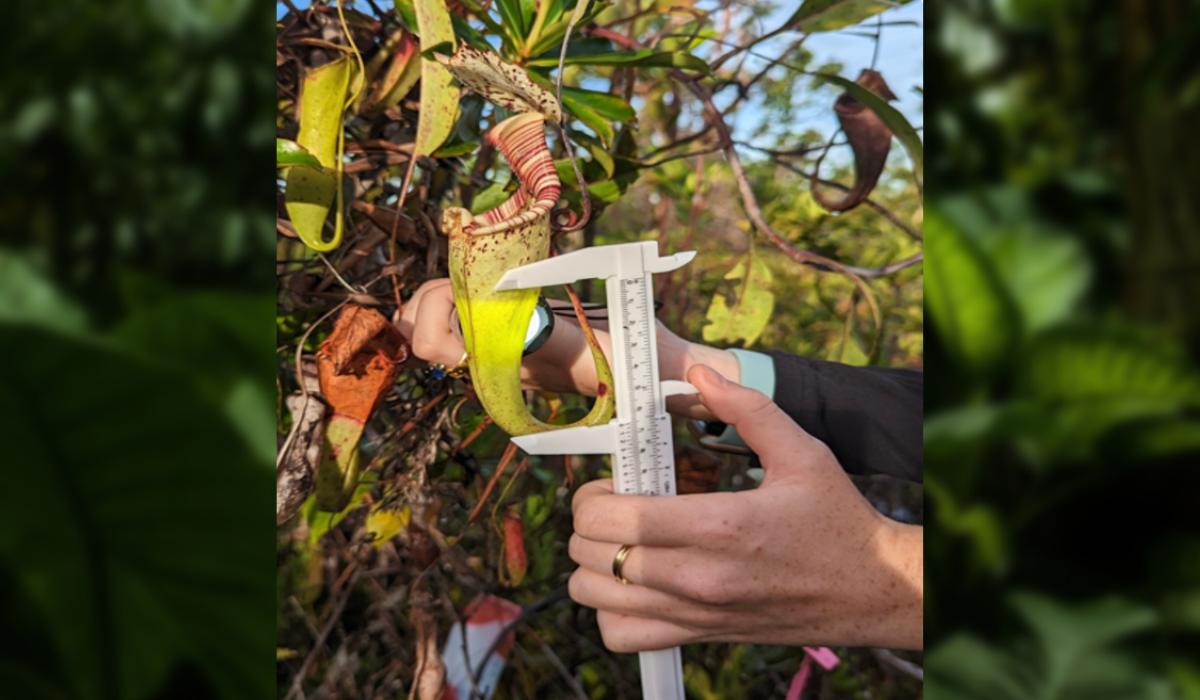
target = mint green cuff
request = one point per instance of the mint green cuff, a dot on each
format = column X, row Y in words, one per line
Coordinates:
column 757, row 371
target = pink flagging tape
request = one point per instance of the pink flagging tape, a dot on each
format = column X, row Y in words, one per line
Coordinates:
column 486, row 618
column 821, row 655
column 800, row 679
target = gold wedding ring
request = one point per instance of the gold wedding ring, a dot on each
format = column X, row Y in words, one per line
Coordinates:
column 457, row 371
column 619, row 562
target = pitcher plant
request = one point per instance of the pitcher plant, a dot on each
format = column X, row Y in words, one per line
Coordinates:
column 482, row 249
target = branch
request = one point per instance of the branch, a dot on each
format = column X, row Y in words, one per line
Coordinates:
column 906, row 667
column 884, row 211
column 334, row 615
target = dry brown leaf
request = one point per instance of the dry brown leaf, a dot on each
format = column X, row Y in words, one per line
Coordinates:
column 357, row 363
column 869, row 138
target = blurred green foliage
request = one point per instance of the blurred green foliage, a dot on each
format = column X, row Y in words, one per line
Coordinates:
column 135, row 333
column 1063, row 407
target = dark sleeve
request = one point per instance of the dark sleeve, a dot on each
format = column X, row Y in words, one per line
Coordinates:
column 871, row 417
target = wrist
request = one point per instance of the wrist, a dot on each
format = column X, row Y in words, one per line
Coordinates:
column 723, row 361
column 901, row 561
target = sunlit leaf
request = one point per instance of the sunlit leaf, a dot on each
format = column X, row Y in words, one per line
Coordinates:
column 310, row 193
column 608, row 106
column 291, row 153
column 455, row 150
column 829, row 15
column 588, row 116
column 552, row 36
column 750, row 313
column 439, row 95
column 385, row 523
column 513, row 19
column 646, row 58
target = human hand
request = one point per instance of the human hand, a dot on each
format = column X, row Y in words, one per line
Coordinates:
column 564, row 362
column 802, row 560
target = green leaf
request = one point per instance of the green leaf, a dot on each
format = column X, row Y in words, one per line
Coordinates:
column 750, row 313
column 216, row 338
column 1069, row 656
column 608, row 106
column 974, row 316
column 588, row 116
column 291, row 153
column 439, row 95
column 889, row 115
column 27, row 296
column 829, row 15
column 645, row 58
column 310, row 193
column 490, row 198
column 111, row 477
column 1046, row 270
column 1087, row 364
column 467, row 34
column 456, row 149
column 600, row 155
column 552, row 35
column 512, row 19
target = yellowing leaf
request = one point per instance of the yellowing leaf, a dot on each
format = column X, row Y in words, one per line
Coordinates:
column 310, row 193
column 386, row 523
column 503, row 83
column 439, row 95
column 748, row 316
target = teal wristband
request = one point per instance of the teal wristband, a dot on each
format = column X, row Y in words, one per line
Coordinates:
column 757, row 371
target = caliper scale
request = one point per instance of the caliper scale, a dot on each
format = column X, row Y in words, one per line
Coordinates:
column 639, row 437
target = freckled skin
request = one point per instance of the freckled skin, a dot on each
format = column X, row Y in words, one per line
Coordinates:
column 803, row 559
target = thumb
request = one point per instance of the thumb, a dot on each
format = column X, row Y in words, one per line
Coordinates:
column 781, row 445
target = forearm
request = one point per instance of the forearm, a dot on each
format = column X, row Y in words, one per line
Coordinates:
column 564, row 364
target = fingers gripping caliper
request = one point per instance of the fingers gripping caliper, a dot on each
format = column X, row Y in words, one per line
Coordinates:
column 639, row 437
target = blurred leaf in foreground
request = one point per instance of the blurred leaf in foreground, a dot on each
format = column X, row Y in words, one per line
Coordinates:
column 123, row 585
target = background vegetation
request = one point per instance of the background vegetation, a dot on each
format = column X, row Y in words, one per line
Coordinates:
column 1061, row 412
column 135, row 324
column 360, row 592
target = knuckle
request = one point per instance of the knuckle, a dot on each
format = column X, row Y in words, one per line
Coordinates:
column 422, row 348
column 575, row 548
column 575, row 588
column 713, row 589
column 587, row 519
column 614, row 638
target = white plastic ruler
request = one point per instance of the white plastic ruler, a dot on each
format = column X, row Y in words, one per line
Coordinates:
column 639, row 437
